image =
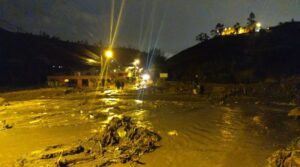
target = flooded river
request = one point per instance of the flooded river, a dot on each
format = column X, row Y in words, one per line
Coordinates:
column 241, row 135
column 194, row 133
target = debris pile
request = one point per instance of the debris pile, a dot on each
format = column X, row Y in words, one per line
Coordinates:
column 294, row 113
column 122, row 141
column 286, row 157
column 4, row 125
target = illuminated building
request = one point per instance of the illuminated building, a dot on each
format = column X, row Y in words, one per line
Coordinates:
column 241, row 30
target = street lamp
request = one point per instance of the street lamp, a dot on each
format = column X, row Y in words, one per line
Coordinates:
column 108, row 54
column 258, row 26
column 146, row 77
column 136, row 62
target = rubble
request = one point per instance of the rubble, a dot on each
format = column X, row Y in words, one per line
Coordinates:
column 122, row 141
column 294, row 112
column 4, row 125
column 286, row 157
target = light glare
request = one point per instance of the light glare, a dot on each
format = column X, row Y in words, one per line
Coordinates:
column 108, row 54
column 146, row 77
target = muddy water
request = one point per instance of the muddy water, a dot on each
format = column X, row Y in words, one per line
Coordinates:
column 206, row 135
column 40, row 123
column 240, row 135
column 18, row 142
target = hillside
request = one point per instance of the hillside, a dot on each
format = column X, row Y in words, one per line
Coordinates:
column 272, row 53
column 27, row 59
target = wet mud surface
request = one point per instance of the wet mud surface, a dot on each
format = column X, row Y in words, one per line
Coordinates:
column 194, row 131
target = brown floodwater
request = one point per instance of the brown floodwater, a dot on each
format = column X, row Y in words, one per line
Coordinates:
column 194, row 133
column 208, row 135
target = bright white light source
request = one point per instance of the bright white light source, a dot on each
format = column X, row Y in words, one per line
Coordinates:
column 107, row 92
column 136, row 62
column 146, row 77
column 258, row 27
column 108, row 54
column 139, row 101
column 258, row 24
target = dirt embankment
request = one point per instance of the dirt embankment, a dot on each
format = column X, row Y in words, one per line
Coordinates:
column 229, row 93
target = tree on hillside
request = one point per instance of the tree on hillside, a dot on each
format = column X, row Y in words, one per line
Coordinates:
column 44, row 34
column 217, row 30
column 236, row 27
column 202, row 37
column 213, row 33
column 220, row 28
column 251, row 19
column 55, row 38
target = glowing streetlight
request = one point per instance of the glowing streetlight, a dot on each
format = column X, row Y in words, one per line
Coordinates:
column 108, row 54
column 104, row 74
column 146, row 77
column 136, row 62
column 258, row 25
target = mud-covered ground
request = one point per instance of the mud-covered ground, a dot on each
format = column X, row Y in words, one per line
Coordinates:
column 195, row 131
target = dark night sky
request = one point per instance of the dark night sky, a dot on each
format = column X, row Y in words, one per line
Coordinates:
column 179, row 20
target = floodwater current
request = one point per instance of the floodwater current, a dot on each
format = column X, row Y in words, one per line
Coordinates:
column 220, row 136
column 194, row 133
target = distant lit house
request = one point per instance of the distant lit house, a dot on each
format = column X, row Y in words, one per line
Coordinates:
column 241, row 30
column 233, row 31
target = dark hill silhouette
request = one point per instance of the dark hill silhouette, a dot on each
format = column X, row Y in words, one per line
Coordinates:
column 272, row 53
column 27, row 59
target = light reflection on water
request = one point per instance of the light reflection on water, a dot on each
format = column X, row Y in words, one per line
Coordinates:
column 110, row 101
column 125, row 109
column 228, row 117
column 207, row 135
